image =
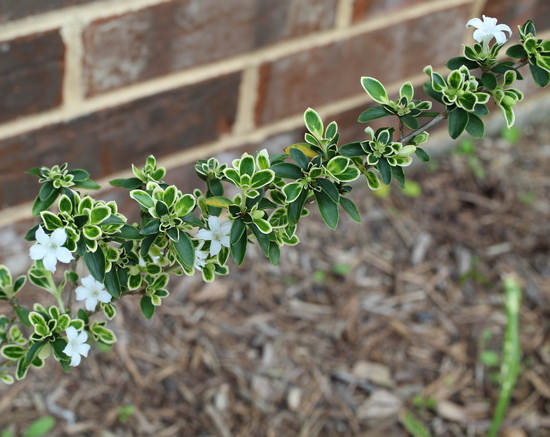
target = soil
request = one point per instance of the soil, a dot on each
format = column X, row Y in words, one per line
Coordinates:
column 402, row 314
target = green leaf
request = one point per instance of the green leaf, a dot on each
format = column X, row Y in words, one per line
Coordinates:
column 185, row 251
column 143, row 198
column 422, row 155
column 292, row 191
column 489, row 81
column 128, row 232
column 458, row 120
column 161, row 208
column 218, row 202
column 331, row 130
column 88, row 184
column 475, row 126
column 467, row 101
column 132, row 183
column 99, row 213
column 540, row 76
column 457, row 62
column 352, row 150
column 112, row 283
column 373, row 113
column 287, row 170
column 51, row 221
column 338, row 165
column 262, row 238
column 147, row 307
column 375, row 90
column 238, row 246
column 399, row 175
column 407, row 91
column 516, row 51
column 40, row 205
column 330, row 189
column 327, row 208
column 46, row 190
column 350, row 174
column 428, row 89
column 313, row 123
column 296, row 207
column 410, row 122
column 13, row 352
column 184, row 205
column 372, row 180
column 247, row 166
column 385, row 170
column 33, row 352
column 263, row 177
column 95, row 261
column 263, row 225
column 299, row 157
column 23, row 314
column 91, row 232
column 305, row 148
column 40, row 427
column 274, row 253
column 351, row 209
column 238, row 228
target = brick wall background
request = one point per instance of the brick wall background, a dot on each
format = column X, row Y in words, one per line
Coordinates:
column 102, row 84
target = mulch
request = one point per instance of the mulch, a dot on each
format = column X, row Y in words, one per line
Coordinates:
column 354, row 328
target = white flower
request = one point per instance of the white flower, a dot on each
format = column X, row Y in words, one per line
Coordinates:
column 488, row 29
column 49, row 248
column 92, row 292
column 200, row 258
column 218, row 235
column 76, row 345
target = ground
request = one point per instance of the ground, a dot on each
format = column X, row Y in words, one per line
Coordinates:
column 355, row 327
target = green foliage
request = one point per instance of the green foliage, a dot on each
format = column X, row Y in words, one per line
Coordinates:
column 181, row 234
column 511, row 351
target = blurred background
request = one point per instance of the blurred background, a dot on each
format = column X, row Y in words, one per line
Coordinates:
column 102, row 84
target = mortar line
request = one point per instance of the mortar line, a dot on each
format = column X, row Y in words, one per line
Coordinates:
column 344, row 14
column 248, row 95
column 72, row 80
column 58, row 18
column 197, row 74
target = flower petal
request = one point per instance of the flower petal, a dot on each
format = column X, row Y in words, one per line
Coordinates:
column 475, row 22
column 104, row 296
column 64, row 255
column 91, row 303
column 38, row 251
column 41, row 236
column 214, row 223
column 75, row 360
column 50, row 261
column 71, row 332
column 59, row 236
column 215, row 247
column 204, row 234
column 82, row 293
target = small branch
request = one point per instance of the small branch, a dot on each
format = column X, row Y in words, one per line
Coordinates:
column 425, row 127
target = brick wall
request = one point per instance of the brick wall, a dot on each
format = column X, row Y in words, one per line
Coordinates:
column 102, row 84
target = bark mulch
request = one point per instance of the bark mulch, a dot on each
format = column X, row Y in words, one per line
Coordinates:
column 352, row 329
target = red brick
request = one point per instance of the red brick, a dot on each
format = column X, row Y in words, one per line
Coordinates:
column 16, row 9
column 516, row 12
column 180, row 34
column 112, row 139
column 332, row 72
column 366, row 9
column 31, row 74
